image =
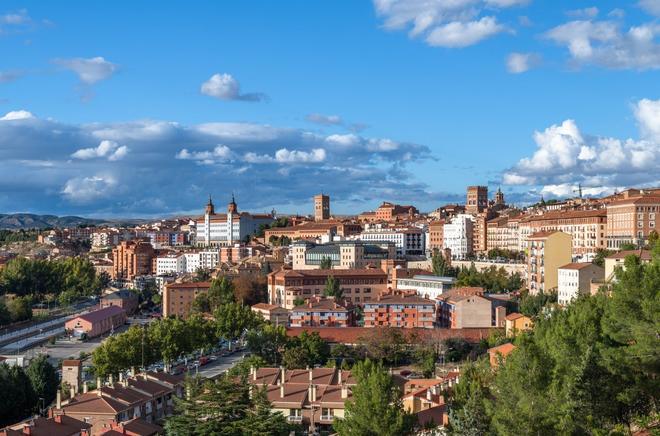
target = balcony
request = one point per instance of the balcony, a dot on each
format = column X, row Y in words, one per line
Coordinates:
column 293, row 418
column 327, row 417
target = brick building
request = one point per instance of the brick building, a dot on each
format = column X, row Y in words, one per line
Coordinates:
column 178, row 297
column 476, row 200
column 436, row 234
column 357, row 285
column 124, row 298
column 407, row 311
column 321, row 207
column 131, row 259
column 320, row 312
column 97, row 323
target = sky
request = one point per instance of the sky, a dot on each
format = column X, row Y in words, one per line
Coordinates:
column 142, row 109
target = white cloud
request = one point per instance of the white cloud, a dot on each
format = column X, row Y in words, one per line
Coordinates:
column 564, row 156
column 220, row 153
column 517, row 63
column 106, row 149
column 591, row 12
column 567, row 190
column 16, row 18
column 296, row 156
column 226, row 87
column 91, row 70
column 603, row 43
column 650, row 6
column 462, row 34
column 86, row 189
column 328, row 120
column 444, row 23
column 16, row 115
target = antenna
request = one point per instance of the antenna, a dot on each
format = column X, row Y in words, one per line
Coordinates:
column 579, row 190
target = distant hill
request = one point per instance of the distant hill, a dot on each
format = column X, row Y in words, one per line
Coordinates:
column 31, row 221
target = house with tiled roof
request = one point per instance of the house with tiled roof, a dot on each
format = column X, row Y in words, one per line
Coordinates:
column 58, row 425
column 517, row 322
column 399, row 310
column 320, row 312
column 499, row 353
column 574, row 279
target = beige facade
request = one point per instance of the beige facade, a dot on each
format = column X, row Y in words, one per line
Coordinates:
column 342, row 255
column 617, row 259
column 547, row 252
column 178, row 297
column 631, row 220
column 436, row 234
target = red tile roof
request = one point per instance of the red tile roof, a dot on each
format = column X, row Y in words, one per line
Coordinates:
column 101, row 314
column 576, row 265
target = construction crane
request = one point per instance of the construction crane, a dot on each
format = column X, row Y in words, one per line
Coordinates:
column 578, row 190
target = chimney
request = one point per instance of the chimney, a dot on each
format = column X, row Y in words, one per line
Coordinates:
column 311, row 375
column 85, row 388
column 98, row 383
column 253, row 371
column 250, row 388
column 111, row 379
column 58, row 401
column 310, row 393
column 132, row 371
column 428, row 394
column 282, row 390
column 344, row 392
column 339, row 381
column 121, row 377
column 73, row 392
column 27, row 428
column 282, row 377
column 57, row 418
column 313, row 392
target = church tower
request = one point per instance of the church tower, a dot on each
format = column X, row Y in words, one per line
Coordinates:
column 499, row 197
column 232, row 209
column 210, row 210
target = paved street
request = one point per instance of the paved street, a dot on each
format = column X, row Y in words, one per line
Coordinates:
column 213, row 369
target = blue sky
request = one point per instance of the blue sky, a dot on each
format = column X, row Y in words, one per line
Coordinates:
column 143, row 108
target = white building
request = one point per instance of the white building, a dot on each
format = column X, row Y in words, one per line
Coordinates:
column 458, row 236
column 409, row 241
column 426, row 286
column 229, row 228
column 575, row 279
column 171, row 264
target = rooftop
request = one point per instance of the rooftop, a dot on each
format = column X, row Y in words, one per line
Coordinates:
column 101, row 314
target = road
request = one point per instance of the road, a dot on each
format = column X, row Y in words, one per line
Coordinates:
column 225, row 363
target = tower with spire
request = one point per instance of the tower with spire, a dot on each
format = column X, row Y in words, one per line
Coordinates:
column 499, row 197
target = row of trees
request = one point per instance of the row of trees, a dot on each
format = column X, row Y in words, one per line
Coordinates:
column 10, row 236
column 15, row 310
column 589, row 369
column 492, row 279
column 66, row 279
column 25, row 391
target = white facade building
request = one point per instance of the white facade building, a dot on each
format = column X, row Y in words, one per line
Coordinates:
column 409, row 241
column 171, row 264
column 575, row 279
column 458, row 236
column 426, row 286
column 226, row 229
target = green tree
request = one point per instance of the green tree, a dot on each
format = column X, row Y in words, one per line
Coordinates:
column 326, row 263
column 201, row 304
column 532, row 305
column 221, row 292
column 654, row 237
column 627, row 246
column 599, row 258
column 202, row 275
column 468, row 409
column 5, row 315
column 306, row 350
column 234, row 319
column 43, row 378
column 333, row 288
column 439, row 264
column 20, row 309
column 268, row 342
column 375, row 407
column 425, row 358
column 385, row 344
column 18, row 399
column 225, row 407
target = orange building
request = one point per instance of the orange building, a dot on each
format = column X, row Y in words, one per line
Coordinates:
column 632, row 218
column 436, row 234
column 390, row 212
column 517, row 322
column 178, row 297
column 131, row 259
column 499, row 353
column 407, row 311
column 357, row 285
column 97, row 322
column 320, row 312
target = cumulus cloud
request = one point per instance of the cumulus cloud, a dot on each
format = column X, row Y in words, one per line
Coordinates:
column 63, row 168
column 226, row 87
column 591, row 12
column 86, row 189
column 604, row 43
column 453, row 24
column 91, row 70
column 106, row 149
column 565, row 156
column 16, row 115
column 517, row 63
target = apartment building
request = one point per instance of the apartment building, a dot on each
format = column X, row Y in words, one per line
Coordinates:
column 320, row 312
column 468, row 307
column 398, row 310
column 147, row 397
column 131, row 259
column 272, row 313
column 575, row 279
column 480, row 231
column 458, row 236
column 617, row 260
column 312, row 398
column 171, row 264
column 178, row 297
column 358, row 285
column 476, row 200
column 424, row 285
column 342, row 255
column 547, row 252
column 409, row 241
column 632, row 218
column 586, row 227
column 436, row 235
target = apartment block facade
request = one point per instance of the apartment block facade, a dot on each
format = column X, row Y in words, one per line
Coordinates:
column 407, row 311
column 547, row 252
column 131, row 259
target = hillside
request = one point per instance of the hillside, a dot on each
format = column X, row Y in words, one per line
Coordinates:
column 32, row 221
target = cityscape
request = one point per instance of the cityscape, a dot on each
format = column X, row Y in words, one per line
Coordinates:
column 184, row 254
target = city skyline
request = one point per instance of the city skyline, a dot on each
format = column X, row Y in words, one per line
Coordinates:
column 402, row 101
